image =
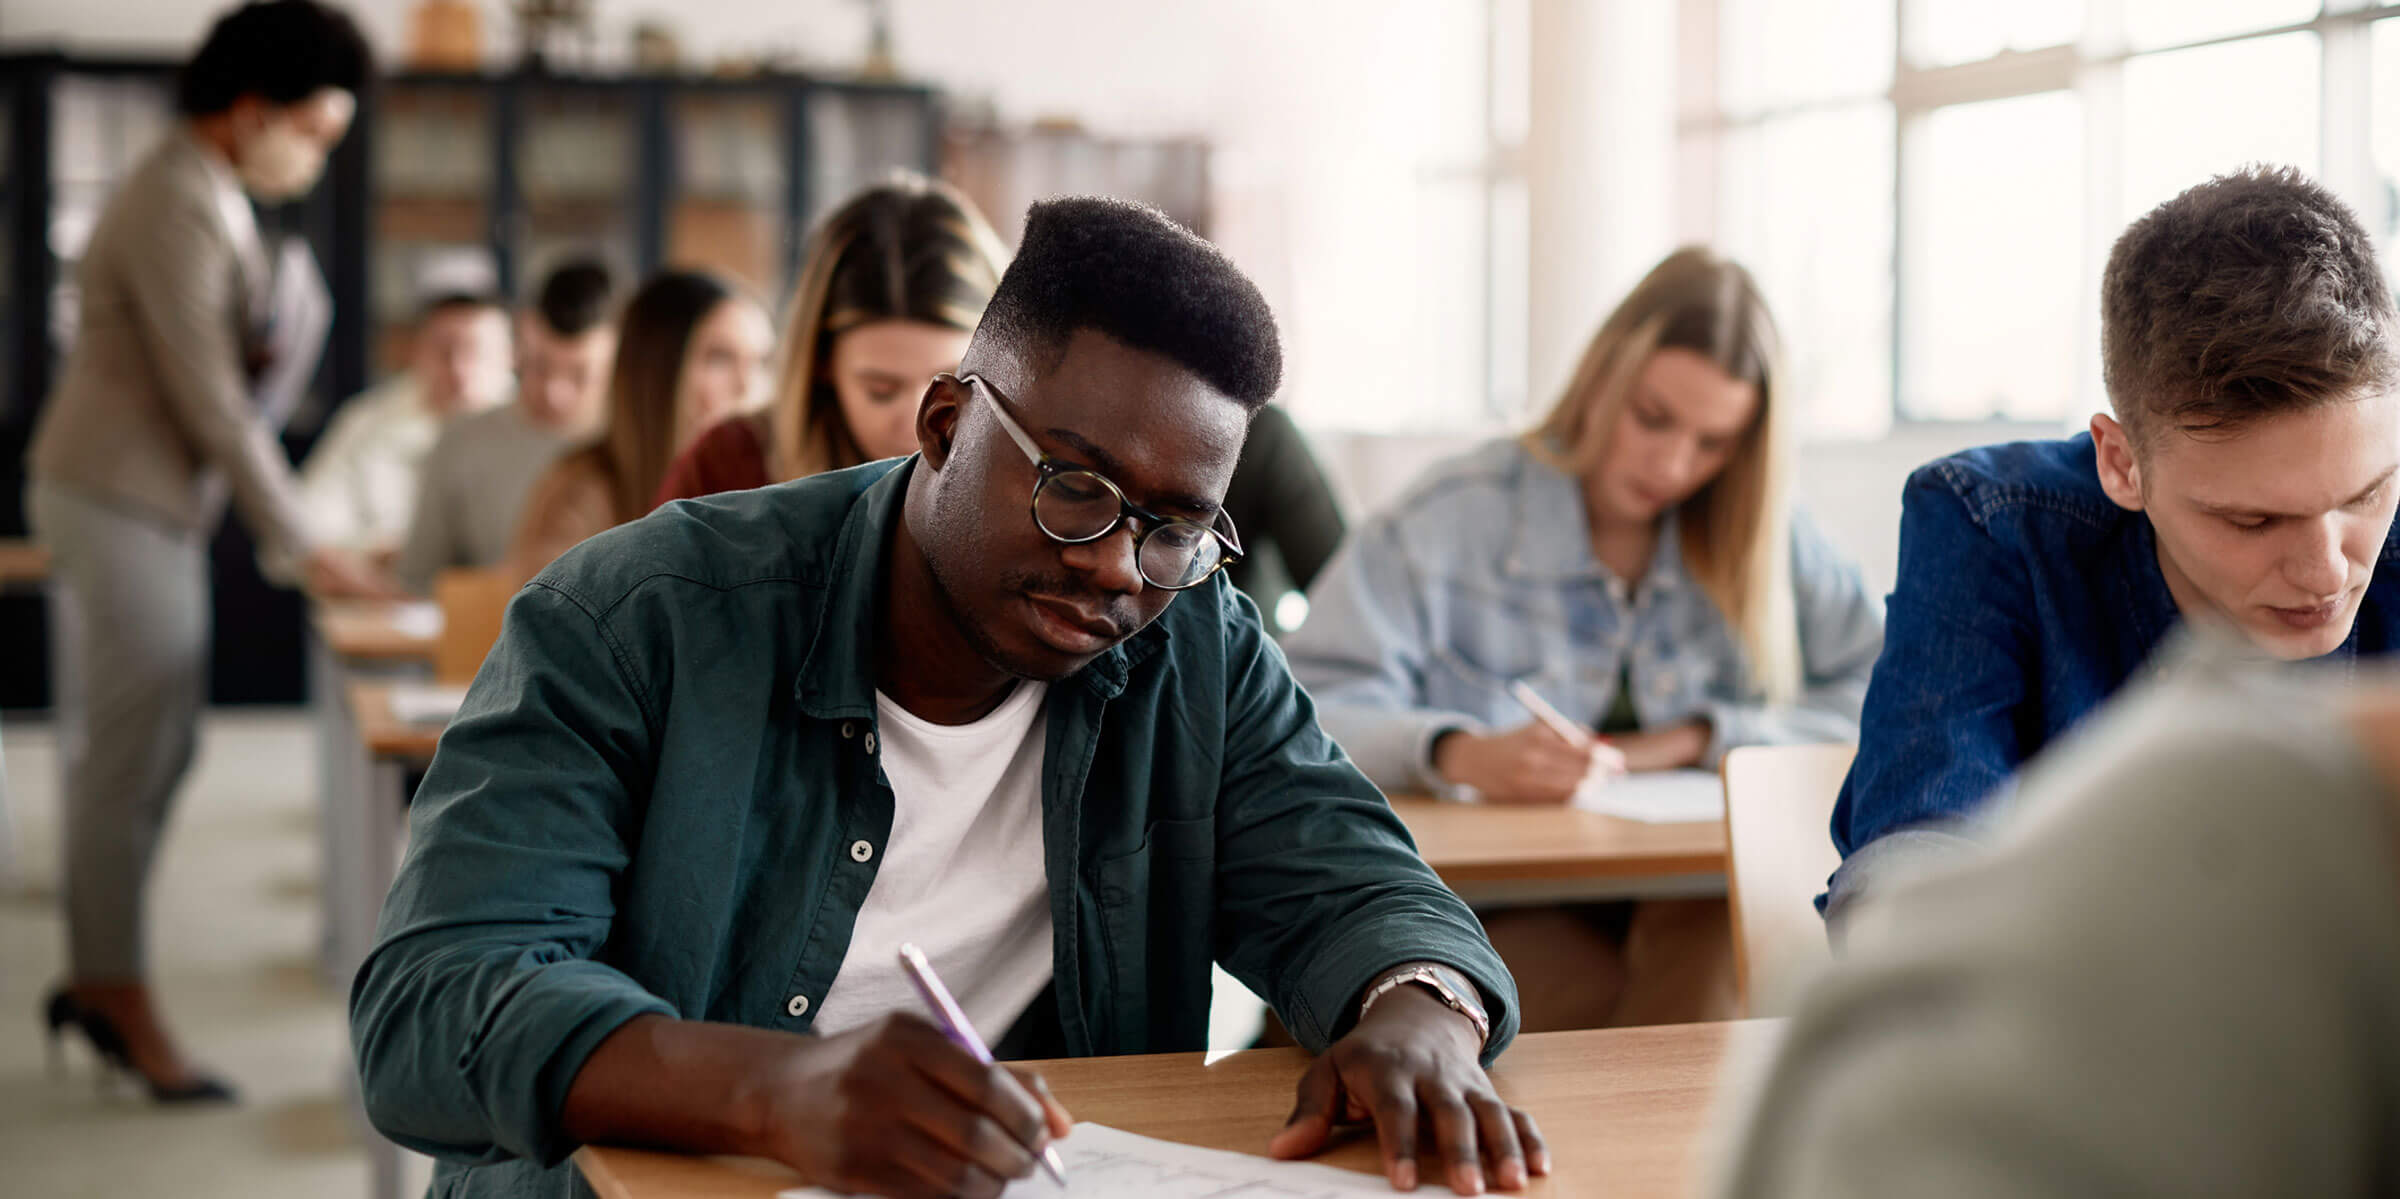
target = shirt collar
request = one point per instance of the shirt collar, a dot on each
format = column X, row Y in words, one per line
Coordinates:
column 1552, row 538
column 837, row 674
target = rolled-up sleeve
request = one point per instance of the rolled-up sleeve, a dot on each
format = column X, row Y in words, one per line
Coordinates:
column 1320, row 887
column 1841, row 634
column 482, row 998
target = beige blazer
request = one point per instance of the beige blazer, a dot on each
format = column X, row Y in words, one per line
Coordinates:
column 154, row 411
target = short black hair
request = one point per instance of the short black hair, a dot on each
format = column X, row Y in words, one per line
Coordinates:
column 283, row 50
column 2251, row 294
column 1129, row 271
column 576, row 296
column 452, row 300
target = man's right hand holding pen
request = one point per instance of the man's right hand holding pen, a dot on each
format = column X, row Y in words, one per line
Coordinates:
column 893, row 1108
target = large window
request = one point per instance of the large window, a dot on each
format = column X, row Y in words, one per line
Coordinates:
column 1938, row 258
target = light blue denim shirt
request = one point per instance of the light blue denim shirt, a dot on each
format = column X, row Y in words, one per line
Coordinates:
column 1483, row 574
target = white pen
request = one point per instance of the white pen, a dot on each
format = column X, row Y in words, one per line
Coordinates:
column 1542, row 711
column 953, row 1020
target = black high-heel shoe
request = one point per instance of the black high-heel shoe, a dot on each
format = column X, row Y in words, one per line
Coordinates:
column 60, row 1012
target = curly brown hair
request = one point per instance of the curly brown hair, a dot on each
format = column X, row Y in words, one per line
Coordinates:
column 2254, row 293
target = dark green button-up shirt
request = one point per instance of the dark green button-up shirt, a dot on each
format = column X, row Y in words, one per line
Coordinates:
column 653, row 798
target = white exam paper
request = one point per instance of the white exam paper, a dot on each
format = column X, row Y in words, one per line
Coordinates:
column 1656, row 797
column 426, row 703
column 1109, row 1161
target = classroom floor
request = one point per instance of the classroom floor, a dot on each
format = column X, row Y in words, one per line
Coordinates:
column 233, row 938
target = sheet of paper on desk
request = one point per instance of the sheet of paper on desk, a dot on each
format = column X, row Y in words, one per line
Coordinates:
column 417, row 618
column 426, row 703
column 1657, row 797
column 1109, row 1161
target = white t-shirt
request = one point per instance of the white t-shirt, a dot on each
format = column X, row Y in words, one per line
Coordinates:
column 962, row 874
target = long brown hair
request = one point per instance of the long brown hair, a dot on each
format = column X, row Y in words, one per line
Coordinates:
column 1736, row 531
column 645, row 385
column 908, row 248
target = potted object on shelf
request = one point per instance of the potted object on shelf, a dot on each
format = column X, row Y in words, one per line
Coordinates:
column 445, row 35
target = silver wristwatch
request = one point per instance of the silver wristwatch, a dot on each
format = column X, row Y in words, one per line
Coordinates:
column 1430, row 978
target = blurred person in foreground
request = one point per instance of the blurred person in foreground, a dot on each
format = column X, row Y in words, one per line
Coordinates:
column 2244, row 479
column 2171, row 971
column 181, row 375
column 483, row 466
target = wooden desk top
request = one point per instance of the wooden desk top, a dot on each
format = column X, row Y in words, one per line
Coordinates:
column 23, row 563
column 1624, row 1111
column 367, row 631
column 385, row 735
column 1481, row 843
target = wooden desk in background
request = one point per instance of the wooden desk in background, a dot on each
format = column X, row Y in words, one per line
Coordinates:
column 1492, row 853
column 358, row 631
column 1624, row 1111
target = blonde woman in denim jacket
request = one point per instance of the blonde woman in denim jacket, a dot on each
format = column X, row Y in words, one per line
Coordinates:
column 1635, row 561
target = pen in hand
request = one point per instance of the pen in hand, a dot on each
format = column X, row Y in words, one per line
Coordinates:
column 953, row 1020
column 1568, row 730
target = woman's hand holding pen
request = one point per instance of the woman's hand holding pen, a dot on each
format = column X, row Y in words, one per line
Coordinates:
column 895, row 1108
column 1531, row 764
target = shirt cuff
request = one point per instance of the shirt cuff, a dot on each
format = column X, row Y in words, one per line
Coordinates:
column 1878, row 866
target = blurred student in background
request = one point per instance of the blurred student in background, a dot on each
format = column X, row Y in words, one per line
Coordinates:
column 893, row 284
column 483, row 466
column 2247, row 479
column 691, row 352
column 1290, row 521
column 1634, row 560
column 891, row 289
column 359, row 485
column 158, row 411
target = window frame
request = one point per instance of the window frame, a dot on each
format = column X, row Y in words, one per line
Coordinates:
column 2092, row 69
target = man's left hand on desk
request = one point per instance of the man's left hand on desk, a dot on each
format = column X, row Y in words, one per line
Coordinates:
column 1410, row 1066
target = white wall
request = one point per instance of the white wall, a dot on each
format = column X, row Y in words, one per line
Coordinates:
column 1324, row 115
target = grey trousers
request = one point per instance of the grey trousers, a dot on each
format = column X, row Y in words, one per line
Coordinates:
column 129, row 619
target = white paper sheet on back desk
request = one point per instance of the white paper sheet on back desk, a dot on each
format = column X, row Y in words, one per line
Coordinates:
column 1104, row 1161
column 1659, row 797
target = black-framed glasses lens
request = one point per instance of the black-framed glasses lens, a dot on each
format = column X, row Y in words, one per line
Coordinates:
column 1079, row 506
column 1076, row 505
column 1176, row 556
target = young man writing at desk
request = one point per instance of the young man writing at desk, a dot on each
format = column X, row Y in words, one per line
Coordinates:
column 725, row 760
column 2252, row 357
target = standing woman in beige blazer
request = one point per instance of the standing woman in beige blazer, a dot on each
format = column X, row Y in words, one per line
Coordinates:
column 154, row 418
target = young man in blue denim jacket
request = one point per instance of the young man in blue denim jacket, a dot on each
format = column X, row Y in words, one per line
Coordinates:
column 2252, row 357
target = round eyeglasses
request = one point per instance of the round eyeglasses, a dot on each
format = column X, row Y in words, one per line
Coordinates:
column 1076, row 506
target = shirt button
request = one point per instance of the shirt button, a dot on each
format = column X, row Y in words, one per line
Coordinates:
column 798, row 1006
column 860, row 851
column 870, row 749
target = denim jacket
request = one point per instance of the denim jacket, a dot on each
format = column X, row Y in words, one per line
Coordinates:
column 1483, row 574
column 2025, row 598
column 663, row 795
